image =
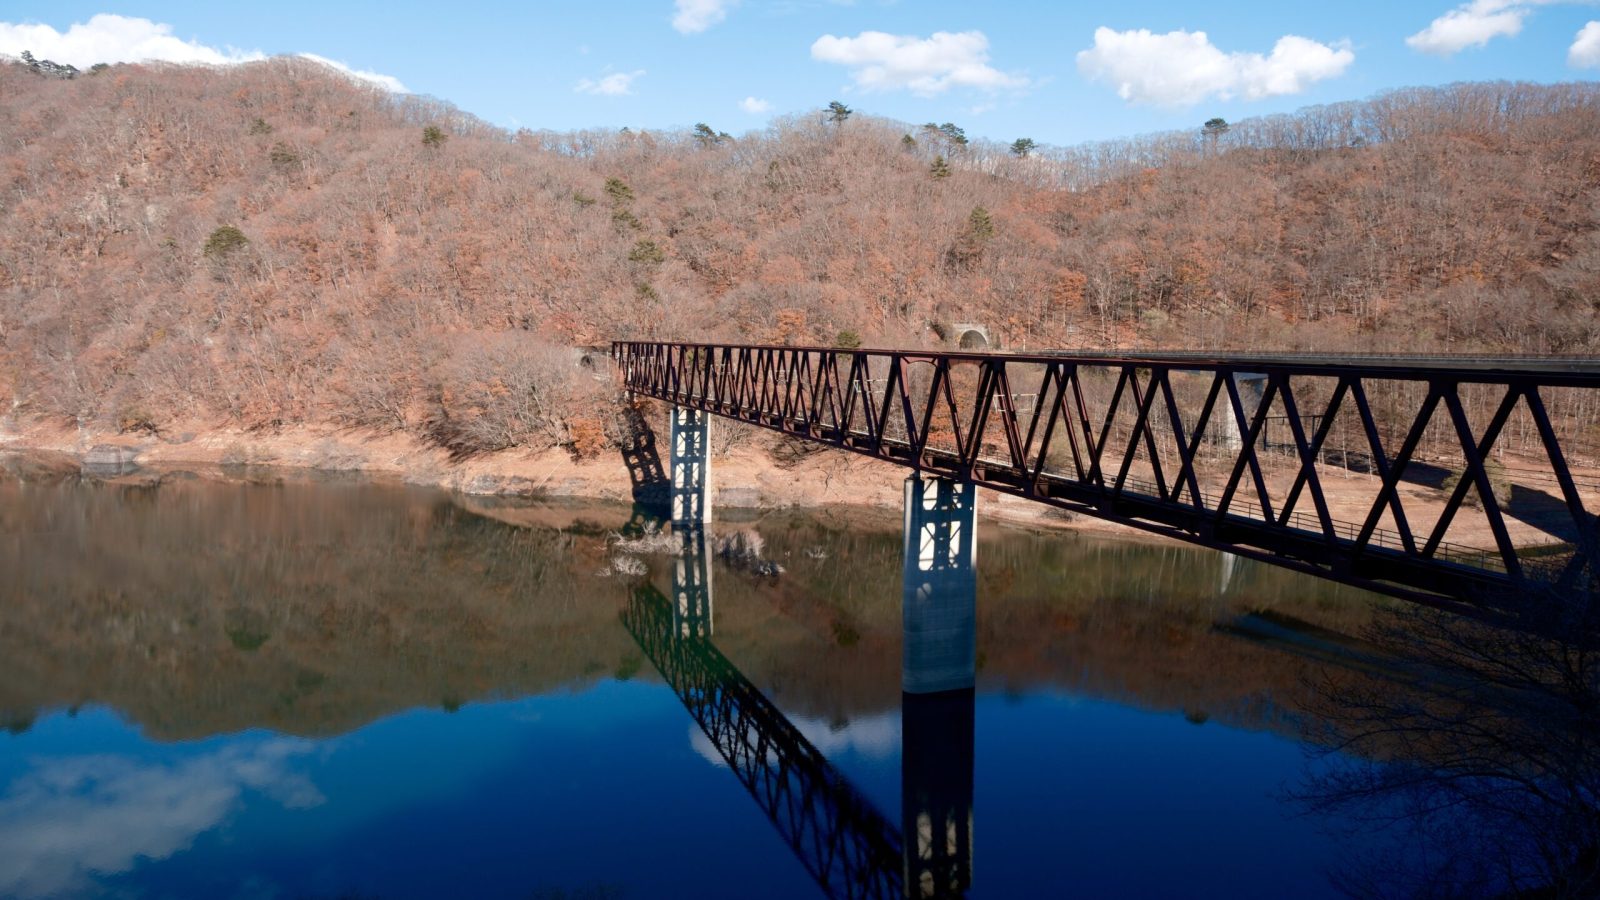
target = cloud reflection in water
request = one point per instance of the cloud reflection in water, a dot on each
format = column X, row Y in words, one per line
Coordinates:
column 875, row 737
column 72, row 819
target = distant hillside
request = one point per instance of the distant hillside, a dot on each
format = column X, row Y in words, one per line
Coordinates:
column 276, row 243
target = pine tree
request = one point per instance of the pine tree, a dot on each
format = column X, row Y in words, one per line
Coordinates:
column 970, row 243
column 1214, row 129
column 224, row 241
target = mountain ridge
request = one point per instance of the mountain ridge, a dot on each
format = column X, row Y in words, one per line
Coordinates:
column 272, row 243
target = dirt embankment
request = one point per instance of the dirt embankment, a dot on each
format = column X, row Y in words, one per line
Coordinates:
column 743, row 477
column 758, row 474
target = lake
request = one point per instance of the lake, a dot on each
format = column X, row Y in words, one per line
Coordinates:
column 281, row 686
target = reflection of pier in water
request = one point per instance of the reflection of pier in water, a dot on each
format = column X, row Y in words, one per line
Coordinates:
column 849, row 847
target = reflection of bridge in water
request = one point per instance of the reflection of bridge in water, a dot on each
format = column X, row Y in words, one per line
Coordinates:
column 846, row 844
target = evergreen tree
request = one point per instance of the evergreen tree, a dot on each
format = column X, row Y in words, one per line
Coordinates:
column 1214, row 129
column 1021, row 147
column 618, row 191
column 224, row 241
column 970, row 243
column 838, row 112
column 980, row 225
column 647, row 252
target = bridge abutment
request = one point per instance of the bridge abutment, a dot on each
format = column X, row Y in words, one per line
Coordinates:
column 939, row 586
column 690, row 466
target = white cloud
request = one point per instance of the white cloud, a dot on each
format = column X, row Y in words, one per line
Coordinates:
column 924, row 66
column 111, row 38
column 617, row 84
column 1472, row 25
column 695, row 16
column 1585, row 50
column 1181, row 68
column 387, row 82
column 754, row 106
column 70, row 820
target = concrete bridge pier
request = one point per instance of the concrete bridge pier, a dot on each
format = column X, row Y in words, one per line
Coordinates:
column 691, row 584
column 1252, row 387
column 939, row 586
column 1225, row 577
column 938, row 672
column 689, row 466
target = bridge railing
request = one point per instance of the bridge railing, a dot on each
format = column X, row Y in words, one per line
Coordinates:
column 1178, row 444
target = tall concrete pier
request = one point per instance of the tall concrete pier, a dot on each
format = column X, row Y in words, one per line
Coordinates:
column 689, row 466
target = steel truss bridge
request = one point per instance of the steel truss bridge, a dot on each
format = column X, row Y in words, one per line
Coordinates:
column 1129, row 437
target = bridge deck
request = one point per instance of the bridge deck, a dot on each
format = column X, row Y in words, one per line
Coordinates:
column 1130, row 437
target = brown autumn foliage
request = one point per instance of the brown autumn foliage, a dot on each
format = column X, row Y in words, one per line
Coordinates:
column 274, row 243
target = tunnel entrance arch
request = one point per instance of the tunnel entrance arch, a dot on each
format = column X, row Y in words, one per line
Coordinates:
column 971, row 336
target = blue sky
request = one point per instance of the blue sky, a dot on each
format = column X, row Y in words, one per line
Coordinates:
column 1061, row 73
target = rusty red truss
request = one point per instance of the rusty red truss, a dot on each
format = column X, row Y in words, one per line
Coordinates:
column 1254, row 455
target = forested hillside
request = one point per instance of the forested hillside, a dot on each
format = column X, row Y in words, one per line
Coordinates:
column 274, row 243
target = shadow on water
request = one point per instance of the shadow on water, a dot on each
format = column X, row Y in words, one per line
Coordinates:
column 1483, row 783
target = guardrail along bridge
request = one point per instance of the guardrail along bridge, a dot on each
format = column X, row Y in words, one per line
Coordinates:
column 1450, row 481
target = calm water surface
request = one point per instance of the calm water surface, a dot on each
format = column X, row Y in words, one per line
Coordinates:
column 337, row 689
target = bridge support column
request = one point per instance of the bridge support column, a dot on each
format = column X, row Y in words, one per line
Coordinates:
column 691, row 585
column 938, row 671
column 1225, row 577
column 939, row 586
column 1252, row 387
column 690, row 466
